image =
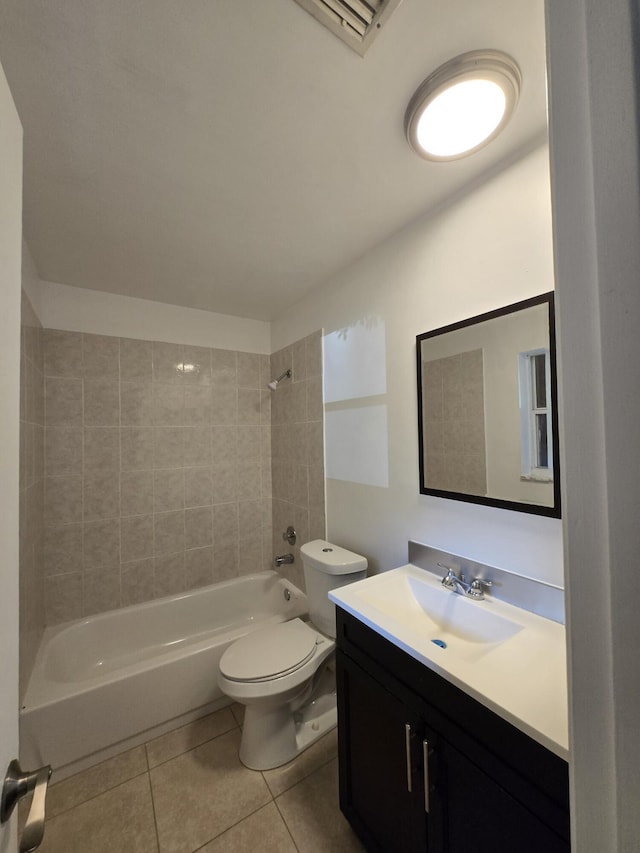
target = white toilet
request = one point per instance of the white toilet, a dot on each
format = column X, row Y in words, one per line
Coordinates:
column 281, row 673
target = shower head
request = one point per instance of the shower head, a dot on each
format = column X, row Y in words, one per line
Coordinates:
column 274, row 383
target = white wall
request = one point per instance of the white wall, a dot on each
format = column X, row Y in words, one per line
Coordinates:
column 489, row 249
column 594, row 56
column 10, row 261
column 76, row 309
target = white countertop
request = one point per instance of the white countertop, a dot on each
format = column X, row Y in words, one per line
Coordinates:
column 522, row 679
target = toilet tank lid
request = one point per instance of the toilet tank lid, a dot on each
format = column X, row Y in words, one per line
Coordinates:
column 332, row 559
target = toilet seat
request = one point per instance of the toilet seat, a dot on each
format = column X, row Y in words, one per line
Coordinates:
column 270, row 653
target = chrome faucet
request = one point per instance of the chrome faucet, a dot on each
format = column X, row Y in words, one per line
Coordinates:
column 474, row 590
column 283, row 560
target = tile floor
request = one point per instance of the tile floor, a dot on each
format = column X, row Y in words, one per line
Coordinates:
column 187, row 791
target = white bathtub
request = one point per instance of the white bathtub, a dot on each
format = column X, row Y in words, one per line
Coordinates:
column 103, row 681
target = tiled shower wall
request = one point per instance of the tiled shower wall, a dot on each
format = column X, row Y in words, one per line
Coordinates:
column 31, row 489
column 453, row 419
column 297, row 443
column 157, row 470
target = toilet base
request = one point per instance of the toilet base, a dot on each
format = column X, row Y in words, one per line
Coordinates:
column 274, row 736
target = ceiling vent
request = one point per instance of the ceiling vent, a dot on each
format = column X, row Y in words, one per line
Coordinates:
column 356, row 22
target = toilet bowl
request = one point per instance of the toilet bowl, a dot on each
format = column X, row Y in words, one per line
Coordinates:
column 284, row 674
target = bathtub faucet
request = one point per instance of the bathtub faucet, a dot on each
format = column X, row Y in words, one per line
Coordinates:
column 283, row 560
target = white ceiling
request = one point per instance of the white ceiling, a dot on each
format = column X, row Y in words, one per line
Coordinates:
column 232, row 154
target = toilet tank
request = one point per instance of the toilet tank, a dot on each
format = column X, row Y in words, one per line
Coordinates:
column 328, row 567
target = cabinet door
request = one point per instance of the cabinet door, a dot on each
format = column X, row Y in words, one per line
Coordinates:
column 481, row 817
column 380, row 743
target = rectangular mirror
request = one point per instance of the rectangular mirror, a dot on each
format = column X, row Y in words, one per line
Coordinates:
column 487, row 409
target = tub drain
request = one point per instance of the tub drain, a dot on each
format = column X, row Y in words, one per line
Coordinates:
column 440, row 643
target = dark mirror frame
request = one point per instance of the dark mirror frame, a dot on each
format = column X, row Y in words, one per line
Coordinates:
column 519, row 506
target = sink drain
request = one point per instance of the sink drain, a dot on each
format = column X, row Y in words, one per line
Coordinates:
column 440, row 643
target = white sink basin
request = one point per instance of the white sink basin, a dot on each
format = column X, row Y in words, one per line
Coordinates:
column 454, row 624
column 507, row 658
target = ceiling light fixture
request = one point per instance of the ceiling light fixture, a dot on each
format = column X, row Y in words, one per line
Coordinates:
column 463, row 105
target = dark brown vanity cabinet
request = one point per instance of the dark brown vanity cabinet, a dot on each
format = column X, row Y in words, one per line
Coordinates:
column 424, row 767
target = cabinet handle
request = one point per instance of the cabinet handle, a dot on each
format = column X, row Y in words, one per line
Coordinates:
column 407, row 742
column 425, row 762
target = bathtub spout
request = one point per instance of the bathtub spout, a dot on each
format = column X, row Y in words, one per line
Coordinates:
column 283, row 560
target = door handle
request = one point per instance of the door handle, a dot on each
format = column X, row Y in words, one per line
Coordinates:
column 407, row 744
column 17, row 784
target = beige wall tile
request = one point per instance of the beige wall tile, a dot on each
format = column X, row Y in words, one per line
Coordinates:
column 168, row 447
column 102, row 448
column 225, row 559
column 101, row 403
column 63, row 549
column 168, row 532
column 299, row 402
column 249, row 518
column 224, row 444
column 197, row 405
column 168, row 404
column 63, row 597
column 63, row 450
column 249, row 481
column 315, row 447
column 63, row 499
column 101, row 590
column 248, row 375
column 197, row 486
column 250, row 553
column 198, row 565
column 137, row 582
column 315, row 402
column 136, row 402
column 136, row 360
column 224, row 405
column 62, row 353
column 136, row 537
column 101, row 495
column 224, row 482
column 167, row 361
column 63, row 402
column 211, row 786
column 299, row 360
column 200, row 358
column 225, row 522
column 314, row 354
column 197, row 446
column 168, row 489
column 136, row 448
column 136, row 492
column 198, row 527
column 249, row 443
column 265, row 406
column 101, row 543
column 223, row 367
column 249, row 406
column 100, row 357
column 169, row 574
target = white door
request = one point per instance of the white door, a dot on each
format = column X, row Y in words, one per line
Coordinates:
column 10, row 272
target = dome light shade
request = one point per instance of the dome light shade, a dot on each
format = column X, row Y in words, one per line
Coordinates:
column 463, row 105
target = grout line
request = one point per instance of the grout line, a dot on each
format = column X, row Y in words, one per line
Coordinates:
column 191, row 748
column 153, row 804
column 283, row 819
column 95, row 796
